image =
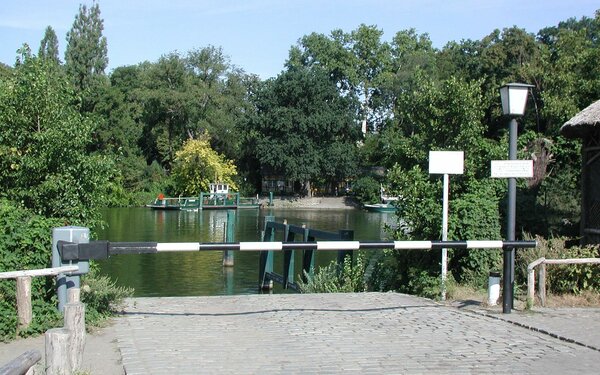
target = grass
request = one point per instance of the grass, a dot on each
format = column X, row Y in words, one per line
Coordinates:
column 461, row 295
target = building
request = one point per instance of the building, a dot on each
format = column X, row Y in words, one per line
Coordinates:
column 586, row 125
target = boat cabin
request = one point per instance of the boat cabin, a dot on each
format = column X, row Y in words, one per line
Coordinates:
column 218, row 188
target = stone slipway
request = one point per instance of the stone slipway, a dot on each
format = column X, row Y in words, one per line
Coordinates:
column 366, row 333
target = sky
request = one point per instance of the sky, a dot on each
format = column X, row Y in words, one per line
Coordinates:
column 257, row 34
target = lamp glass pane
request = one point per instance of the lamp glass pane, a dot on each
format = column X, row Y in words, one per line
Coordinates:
column 518, row 99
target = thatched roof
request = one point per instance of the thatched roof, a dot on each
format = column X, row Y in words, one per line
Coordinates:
column 583, row 122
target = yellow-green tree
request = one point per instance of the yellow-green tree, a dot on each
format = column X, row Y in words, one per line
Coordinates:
column 197, row 165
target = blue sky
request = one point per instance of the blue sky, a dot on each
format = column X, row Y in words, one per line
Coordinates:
column 257, row 34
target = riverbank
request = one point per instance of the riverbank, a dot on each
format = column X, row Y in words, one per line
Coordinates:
column 336, row 203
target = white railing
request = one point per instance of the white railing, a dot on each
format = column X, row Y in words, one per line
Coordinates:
column 541, row 262
column 24, row 289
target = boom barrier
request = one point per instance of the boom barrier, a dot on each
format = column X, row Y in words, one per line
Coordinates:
column 70, row 249
column 103, row 249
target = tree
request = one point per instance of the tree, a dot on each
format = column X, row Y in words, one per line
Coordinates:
column 44, row 160
column 49, row 46
column 184, row 97
column 197, row 165
column 304, row 129
column 86, row 55
column 443, row 116
column 356, row 61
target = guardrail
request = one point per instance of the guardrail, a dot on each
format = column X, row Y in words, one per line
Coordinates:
column 24, row 311
column 63, row 346
column 542, row 275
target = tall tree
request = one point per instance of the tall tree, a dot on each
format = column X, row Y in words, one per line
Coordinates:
column 304, row 129
column 49, row 46
column 356, row 61
column 86, row 55
column 44, row 160
column 185, row 96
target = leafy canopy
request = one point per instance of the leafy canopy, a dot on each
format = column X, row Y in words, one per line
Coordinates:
column 197, row 165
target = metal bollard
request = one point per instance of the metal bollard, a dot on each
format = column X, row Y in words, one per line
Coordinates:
column 63, row 282
column 493, row 288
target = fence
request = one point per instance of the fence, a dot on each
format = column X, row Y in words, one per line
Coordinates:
column 266, row 275
column 24, row 311
column 542, row 275
column 63, row 346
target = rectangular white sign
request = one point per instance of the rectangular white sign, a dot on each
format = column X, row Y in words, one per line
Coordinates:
column 512, row 168
column 446, row 162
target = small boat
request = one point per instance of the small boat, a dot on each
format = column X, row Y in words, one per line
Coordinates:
column 386, row 204
column 380, row 207
column 162, row 203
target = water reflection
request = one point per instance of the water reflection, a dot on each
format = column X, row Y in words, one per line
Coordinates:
column 202, row 273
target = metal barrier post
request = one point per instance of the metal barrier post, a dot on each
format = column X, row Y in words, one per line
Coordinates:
column 308, row 256
column 229, row 237
column 266, row 257
column 63, row 282
column 288, row 258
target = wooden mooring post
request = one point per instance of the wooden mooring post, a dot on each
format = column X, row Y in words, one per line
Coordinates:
column 64, row 346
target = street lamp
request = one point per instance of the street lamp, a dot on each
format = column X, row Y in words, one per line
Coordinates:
column 514, row 99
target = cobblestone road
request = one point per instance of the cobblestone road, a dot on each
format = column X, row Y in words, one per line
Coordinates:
column 367, row 333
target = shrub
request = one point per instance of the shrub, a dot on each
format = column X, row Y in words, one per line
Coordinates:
column 562, row 279
column 25, row 243
column 101, row 296
column 335, row 279
column 367, row 190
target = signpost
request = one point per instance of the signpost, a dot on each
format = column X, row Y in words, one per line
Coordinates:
column 510, row 169
column 446, row 163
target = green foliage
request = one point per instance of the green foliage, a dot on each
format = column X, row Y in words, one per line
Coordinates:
column 303, row 128
column 25, row 243
column 43, row 146
column 367, row 190
column 86, row 55
column 197, row 165
column 475, row 215
column 102, row 296
column 561, row 279
column 184, row 97
column 334, row 278
column 49, row 46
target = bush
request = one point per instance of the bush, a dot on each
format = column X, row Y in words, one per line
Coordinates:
column 25, row 243
column 561, row 279
column 367, row 190
column 335, row 279
column 101, row 296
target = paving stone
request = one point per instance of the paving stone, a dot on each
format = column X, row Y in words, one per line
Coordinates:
column 369, row 333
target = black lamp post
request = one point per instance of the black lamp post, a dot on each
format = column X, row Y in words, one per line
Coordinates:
column 514, row 99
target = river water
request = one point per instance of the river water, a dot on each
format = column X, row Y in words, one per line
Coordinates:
column 202, row 273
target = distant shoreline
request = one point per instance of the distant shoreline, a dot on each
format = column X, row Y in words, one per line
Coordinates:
column 338, row 203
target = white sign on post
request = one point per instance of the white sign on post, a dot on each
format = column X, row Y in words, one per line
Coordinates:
column 512, row 168
column 446, row 162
